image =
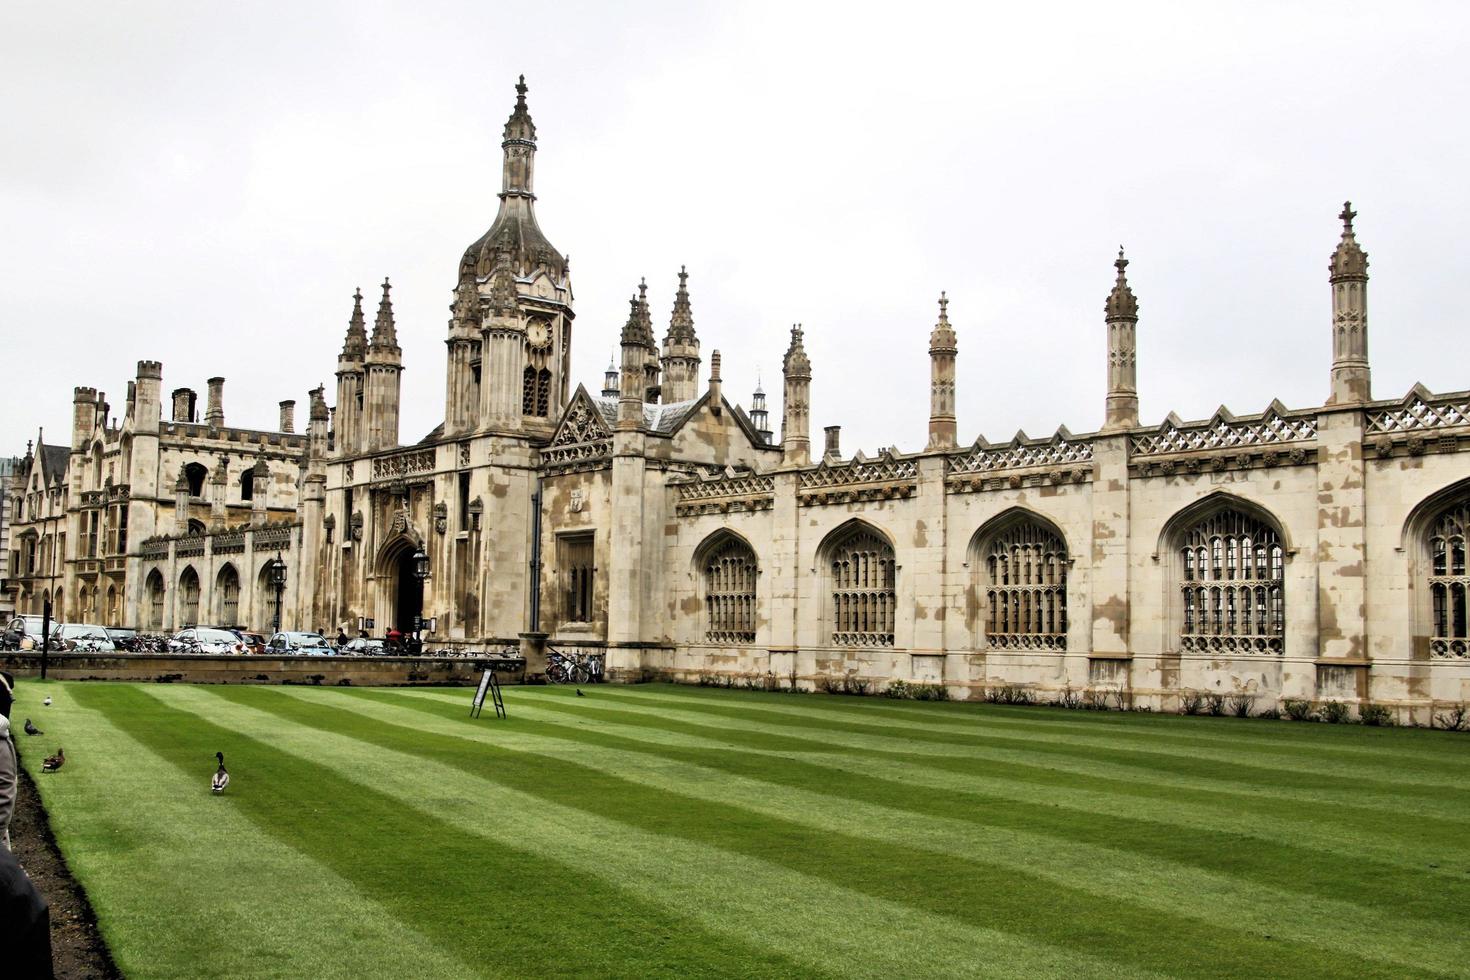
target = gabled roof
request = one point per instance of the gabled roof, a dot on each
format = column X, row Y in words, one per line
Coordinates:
column 54, row 460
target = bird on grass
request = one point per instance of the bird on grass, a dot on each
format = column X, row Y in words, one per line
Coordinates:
column 32, row 729
column 221, row 775
column 54, row 762
column 580, row 694
column 47, row 702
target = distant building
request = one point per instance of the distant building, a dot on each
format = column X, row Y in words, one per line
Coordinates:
column 1312, row 552
column 10, row 476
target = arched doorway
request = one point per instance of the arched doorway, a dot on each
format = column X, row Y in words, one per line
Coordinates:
column 402, row 596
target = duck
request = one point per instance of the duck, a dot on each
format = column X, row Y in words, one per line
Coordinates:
column 47, row 702
column 221, row 775
column 54, row 762
column 32, row 729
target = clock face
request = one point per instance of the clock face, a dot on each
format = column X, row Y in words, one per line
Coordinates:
column 538, row 335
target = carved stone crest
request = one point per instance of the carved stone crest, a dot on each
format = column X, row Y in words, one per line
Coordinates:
column 577, row 499
column 441, row 517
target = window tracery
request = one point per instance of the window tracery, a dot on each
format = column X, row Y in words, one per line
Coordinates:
column 189, row 584
column 1233, row 586
column 863, row 590
column 1026, row 589
column 1448, row 583
column 729, row 593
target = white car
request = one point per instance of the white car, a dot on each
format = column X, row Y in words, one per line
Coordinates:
column 207, row 639
column 85, row 638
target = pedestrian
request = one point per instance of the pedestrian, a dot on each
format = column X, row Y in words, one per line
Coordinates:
column 9, row 774
column 395, row 639
column 341, row 637
column 25, row 923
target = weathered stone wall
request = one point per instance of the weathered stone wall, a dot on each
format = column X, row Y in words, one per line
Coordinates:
column 207, row 669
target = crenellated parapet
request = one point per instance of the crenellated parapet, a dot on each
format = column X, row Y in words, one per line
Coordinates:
column 883, row 478
column 1421, row 422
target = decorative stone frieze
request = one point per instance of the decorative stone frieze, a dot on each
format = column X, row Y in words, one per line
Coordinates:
column 403, row 464
column 1420, row 410
column 1224, row 431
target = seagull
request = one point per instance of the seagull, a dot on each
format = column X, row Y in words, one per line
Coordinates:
column 47, row 702
column 32, row 729
column 54, row 762
column 580, row 694
column 221, row 775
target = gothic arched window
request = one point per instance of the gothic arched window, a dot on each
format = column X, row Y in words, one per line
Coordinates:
column 1232, row 585
column 195, row 474
column 528, row 391
column 729, row 593
column 189, row 588
column 247, row 484
column 1025, row 568
column 863, row 594
column 543, row 392
column 155, row 600
column 1448, row 583
column 229, row 593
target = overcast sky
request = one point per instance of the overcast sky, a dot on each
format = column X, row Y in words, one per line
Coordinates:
column 205, row 184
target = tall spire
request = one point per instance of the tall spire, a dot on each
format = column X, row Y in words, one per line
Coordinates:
column 680, row 361
column 610, row 377
column 1120, row 313
column 385, row 333
column 942, row 351
column 1348, row 275
column 356, row 343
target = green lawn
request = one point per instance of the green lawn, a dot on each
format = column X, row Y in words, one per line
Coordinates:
column 674, row 831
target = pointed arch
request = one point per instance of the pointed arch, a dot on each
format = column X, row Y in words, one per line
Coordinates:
column 189, row 596
column 1227, row 558
column 154, row 588
column 195, row 474
column 1020, row 562
column 727, row 569
column 1436, row 538
column 227, row 596
column 862, row 584
column 112, row 610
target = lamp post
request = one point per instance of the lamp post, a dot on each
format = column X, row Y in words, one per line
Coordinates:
column 278, row 580
column 420, row 572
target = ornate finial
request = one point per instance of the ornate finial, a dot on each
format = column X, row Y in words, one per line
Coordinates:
column 357, row 295
column 386, row 285
column 943, row 306
column 1121, row 302
column 1347, row 216
column 1348, row 259
column 683, row 274
column 521, row 90
column 642, row 288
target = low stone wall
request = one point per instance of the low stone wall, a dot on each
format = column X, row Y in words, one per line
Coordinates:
column 220, row 669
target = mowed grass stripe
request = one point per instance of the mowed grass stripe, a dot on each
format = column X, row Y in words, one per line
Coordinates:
column 805, row 918
column 185, row 886
column 970, row 890
column 499, row 909
column 951, row 827
column 1301, row 774
column 1366, row 832
column 1405, row 754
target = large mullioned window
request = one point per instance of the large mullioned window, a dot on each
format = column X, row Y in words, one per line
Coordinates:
column 729, row 593
column 863, row 594
column 1026, row 589
column 1448, row 583
column 1232, row 586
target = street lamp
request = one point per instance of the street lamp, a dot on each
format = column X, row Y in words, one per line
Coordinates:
column 420, row 572
column 278, row 580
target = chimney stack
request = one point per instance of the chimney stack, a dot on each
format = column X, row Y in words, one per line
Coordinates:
column 214, row 416
column 714, row 383
column 184, row 404
column 288, row 415
column 833, row 452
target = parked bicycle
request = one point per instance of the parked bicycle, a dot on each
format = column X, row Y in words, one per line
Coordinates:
column 568, row 669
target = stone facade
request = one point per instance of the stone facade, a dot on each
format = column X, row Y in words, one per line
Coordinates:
column 1296, row 553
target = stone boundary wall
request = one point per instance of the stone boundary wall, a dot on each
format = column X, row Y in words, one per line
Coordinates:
column 221, row 669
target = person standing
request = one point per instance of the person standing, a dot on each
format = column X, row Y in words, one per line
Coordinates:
column 9, row 772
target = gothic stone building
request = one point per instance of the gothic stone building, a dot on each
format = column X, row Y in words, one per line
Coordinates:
column 1312, row 553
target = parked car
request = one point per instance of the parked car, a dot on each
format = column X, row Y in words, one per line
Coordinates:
column 86, row 638
column 366, row 646
column 308, row 644
column 206, row 639
column 123, row 638
column 25, row 625
column 254, row 642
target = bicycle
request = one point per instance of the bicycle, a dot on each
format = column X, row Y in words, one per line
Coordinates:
column 563, row 669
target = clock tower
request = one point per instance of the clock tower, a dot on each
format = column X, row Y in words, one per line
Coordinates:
column 510, row 329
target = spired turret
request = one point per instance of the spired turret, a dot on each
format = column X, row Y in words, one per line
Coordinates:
column 511, row 281
column 680, row 361
column 796, row 369
column 1120, row 312
column 383, row 370
column 1348, row 274
column 350, row 390
column 942, row 351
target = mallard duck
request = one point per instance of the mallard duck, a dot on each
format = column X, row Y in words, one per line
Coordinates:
column 221, row 775
column 32, row 729
column 54, row 762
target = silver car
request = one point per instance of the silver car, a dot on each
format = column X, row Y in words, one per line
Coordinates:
column 300, row 644
column 86, row 638
column 206, row 639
